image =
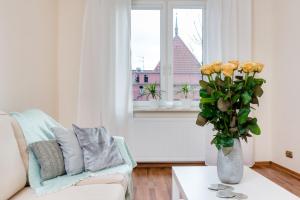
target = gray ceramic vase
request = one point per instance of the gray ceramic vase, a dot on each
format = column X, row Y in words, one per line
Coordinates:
column 230, row 167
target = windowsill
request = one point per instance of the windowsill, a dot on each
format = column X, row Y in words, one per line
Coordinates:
column 165, row 112
column 165, row 109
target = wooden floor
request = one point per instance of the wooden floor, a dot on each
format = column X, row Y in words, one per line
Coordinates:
column 154, row 183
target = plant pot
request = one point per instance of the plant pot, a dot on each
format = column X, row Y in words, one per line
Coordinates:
column 186, row 103
column 230, row 167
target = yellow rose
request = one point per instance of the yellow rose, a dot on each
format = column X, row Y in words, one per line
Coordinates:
column 235, row 62
column 249, row 67
column 259, row 67
column 228, row 66
column 228, row 72
column 206, row 70
column 217, row 66
column 228, row 69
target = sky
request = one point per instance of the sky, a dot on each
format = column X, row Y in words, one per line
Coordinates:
column 145, row 35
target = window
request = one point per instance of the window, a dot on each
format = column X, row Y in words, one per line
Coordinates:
column 137, row 78
column 167, row 47
column 145, row 49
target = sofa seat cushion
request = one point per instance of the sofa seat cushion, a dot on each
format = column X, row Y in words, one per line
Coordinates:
column 86, row 192
column 106, row 179
column 12, row 170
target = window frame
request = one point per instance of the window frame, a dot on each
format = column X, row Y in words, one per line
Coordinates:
column 166, row 42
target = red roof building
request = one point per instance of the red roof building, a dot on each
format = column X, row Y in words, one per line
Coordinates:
column 185, row 71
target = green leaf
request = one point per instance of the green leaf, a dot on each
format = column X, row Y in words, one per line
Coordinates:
column 251, row 83
column 208, row 112
column 243, row 130
column 246, row 98
column 207, row 100
column 203, row 93
column 227, row 79
column 243, row 115
column 259, row 81
column 239, row 86
column 214, row 141
column 254, row 128
column 226, row 141
column 252, row 120
column 217, row 94
column 235, row 98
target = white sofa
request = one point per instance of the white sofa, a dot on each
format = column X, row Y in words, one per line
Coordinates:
column 14, row 165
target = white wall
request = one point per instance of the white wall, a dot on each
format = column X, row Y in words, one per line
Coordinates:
column 172, row 139
column 286, row 87
column 179, row 139
column 40, row 57
column 70, row 16
column 39, row 62
column 167, row 139
column 262, row 24
column 28, row 74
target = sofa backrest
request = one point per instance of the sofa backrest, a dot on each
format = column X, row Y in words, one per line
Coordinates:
column 12, row 169
column 18, row 133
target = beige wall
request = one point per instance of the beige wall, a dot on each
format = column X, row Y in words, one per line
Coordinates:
column 70, row 16
column 286, row 87
column 70, row 23
column 277, row 44
column 263, row 52
column 40, row 56
column 28, row 73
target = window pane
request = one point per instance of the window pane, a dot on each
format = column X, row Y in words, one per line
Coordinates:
column 187, row 52
column 145, row 51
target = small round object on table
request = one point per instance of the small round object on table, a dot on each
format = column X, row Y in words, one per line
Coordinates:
column 240, row 196
column 225, row 194
column 218, row 187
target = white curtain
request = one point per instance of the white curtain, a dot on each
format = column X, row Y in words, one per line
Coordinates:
column 229, row 37
column 105, row 75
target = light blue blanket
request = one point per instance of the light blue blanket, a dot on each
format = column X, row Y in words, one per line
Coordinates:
column 36, row 127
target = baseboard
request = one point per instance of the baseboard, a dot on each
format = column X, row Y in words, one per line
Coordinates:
column 285, row 170
column 262, row 164
column 202, row 163
column 169, row 164
column 277, row 167
column 190, row 163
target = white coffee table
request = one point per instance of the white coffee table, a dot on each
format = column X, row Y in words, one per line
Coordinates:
column 190, row 183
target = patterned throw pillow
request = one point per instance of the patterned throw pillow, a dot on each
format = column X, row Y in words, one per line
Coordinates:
column 50, row 158
column 100, row 150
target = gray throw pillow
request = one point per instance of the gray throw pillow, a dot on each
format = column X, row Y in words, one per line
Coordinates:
column 71, row 150
column 50, row 158
column 100, row 150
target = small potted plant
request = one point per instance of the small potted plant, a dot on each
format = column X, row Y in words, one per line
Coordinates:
column 151, row 91
column 186, row 90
